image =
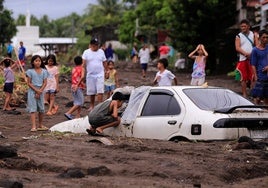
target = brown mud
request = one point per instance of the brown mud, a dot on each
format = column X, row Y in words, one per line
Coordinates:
column 44, row 159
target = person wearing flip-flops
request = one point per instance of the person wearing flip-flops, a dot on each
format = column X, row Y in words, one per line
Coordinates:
column 52, row 86
column 78, row 76
column 36, row 80
column 105, row 115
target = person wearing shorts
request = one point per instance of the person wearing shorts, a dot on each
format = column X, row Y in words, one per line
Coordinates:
column 94, row 61
column 105, row 114
column 78, row 75
column 52, row 86
column 199, row 55
column 244, row 43
column 111, row 79
column 9, row 83
column 144, row 55
column 22, row 55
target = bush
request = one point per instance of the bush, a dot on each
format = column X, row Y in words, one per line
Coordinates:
column 122, row 53
column 65, row 69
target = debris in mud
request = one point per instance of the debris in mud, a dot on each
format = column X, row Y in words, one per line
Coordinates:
column 99, row 171
column 103, row 140
column 130, row 162
column 29, row 137
column 245, row 142
column 7, row 151
column 72, row 173
column 11, row 184
column 2, row 136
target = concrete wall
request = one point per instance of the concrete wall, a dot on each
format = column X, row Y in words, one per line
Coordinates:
column 29, row 35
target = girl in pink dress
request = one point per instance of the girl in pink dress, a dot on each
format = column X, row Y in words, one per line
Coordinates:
column 52, row 86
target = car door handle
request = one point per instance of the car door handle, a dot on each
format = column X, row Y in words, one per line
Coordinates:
column 172, row 122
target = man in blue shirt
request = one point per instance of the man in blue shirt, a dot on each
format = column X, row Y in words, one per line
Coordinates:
column 9, row 49
column 22, row 52
column 109, row 52
column 259, row 62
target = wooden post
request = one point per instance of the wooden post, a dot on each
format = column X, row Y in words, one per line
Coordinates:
column 20, row 66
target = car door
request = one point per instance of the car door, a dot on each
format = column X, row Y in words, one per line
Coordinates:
column 161, row 115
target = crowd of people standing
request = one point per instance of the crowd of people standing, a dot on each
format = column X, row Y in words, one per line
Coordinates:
column 252, row 65
column 94, row 74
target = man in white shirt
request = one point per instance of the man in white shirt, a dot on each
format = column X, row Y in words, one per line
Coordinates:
column 94, row 61
column 244, row 43
column 144, row 55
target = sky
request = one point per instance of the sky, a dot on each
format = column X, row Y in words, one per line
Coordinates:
column 53, row 8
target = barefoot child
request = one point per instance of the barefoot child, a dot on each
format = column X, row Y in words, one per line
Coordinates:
column 78, row 76
column 52, row 84
column 36, row 80
column 9, row 82
column 111, row 79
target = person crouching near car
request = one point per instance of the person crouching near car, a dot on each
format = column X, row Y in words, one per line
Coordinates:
column 105, row 114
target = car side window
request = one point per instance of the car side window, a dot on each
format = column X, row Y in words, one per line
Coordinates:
column 160, row 104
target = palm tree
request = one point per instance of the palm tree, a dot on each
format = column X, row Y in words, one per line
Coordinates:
column 110, row 7
column 105, row 12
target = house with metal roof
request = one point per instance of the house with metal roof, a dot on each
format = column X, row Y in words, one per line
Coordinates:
column 29, row 35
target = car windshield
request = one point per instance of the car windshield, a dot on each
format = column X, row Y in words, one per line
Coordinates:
column 215, row 98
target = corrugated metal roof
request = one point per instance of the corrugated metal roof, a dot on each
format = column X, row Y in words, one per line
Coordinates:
column 57, row 40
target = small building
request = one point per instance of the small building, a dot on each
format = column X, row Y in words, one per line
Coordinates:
column 56, row 45
column 29, row 35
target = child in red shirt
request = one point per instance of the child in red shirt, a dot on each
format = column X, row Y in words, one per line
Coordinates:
column 78, row 75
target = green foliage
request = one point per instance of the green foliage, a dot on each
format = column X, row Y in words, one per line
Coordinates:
column 127, row 27
column 106, row 12
column 200, row 22
column 122, row 53
column 187, row 22
column 64, row 69
column 151, row 15
column 2, row 80
column 82, row 43
column 63, row 27
column 17, row 78
column 7, row 25
column 232, row 73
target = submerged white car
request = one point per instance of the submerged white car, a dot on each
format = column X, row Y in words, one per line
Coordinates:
column 183, row 113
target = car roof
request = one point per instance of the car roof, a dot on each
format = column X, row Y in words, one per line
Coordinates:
column 181, row 87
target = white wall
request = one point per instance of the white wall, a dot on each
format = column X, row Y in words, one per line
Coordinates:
column 29, row 35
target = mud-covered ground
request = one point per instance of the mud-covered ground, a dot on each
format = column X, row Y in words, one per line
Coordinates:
column 45, row 159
